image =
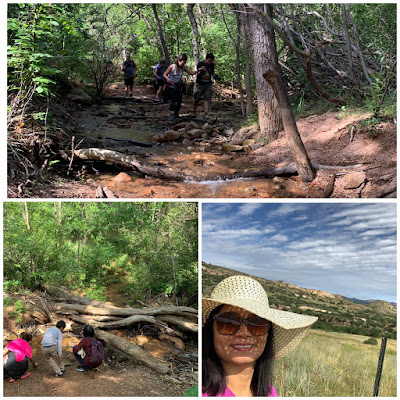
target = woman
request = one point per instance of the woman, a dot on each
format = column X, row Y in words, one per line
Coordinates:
column 83, row 350
column 241, row 337
column 15, row 358
column 173, row 76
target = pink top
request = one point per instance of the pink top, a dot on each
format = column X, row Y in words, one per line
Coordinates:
column 228, row 393
column 21, row 348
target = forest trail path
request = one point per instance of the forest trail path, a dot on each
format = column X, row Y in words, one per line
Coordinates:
column 326, row 138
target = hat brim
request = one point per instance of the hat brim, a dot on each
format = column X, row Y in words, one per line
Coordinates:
column 289, row 328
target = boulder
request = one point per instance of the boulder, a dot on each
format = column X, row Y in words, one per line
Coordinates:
column 231, row 147
column 79, row 96
column 122, row 177
column 354, row 180
column 195, row 133
column 166, row 136
column 248, row 142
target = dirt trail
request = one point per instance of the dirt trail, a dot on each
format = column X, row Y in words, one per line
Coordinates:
column 326, row 137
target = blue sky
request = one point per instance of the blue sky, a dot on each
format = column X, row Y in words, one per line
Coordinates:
column 347, row 249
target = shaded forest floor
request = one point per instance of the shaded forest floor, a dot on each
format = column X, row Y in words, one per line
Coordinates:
column 116, row 122
column 118, row 375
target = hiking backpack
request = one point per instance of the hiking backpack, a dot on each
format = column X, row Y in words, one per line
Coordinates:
column 97, row 352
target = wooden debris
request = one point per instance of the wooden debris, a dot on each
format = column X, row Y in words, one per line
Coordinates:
column 329, row 187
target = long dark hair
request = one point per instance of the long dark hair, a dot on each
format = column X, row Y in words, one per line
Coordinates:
column 181, row 57
column 214, row 378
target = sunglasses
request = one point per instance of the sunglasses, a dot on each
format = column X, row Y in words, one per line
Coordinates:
column 229, row 324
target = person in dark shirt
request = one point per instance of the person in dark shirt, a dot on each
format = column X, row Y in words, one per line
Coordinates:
column 203, row 85
column 129, row 68
column 160, row 82
column 86, row 345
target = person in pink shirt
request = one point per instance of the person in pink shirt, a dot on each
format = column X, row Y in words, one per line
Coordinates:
column 242, row 336
column 15, row 358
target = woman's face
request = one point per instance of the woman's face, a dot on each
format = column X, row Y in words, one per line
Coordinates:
column 242, row 347
column 182, row 62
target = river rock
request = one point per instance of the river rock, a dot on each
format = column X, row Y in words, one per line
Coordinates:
column 122, row 177
column 228, row 132
column 354, row 180
column 191, row 125
column 179, row 126
column 231, row 147
column 79, row 96
column 248, row 142
column 195, row 133
column 166, row 136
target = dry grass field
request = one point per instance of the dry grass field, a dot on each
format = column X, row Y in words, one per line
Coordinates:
column 330, row 364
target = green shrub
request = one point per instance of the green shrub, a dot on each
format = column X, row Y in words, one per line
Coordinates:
column 372, row 341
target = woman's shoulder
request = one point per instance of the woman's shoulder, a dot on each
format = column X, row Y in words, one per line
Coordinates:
column 272, row 392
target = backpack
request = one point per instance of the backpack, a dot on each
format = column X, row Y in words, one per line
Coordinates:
column 97, row 352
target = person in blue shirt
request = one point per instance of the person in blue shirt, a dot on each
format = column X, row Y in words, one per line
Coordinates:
column 160, row 82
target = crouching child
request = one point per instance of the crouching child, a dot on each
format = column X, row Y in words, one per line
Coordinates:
column 89, row 352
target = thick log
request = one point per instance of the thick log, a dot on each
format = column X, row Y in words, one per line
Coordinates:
column 120, row 323
column 180, row 322
column 88, row 309
column 299, row 152
column 62, row 292
column 128, row 162
column 389, row 189
column 46, row 308
column 134, row 351
column 109, row 193
column 290, row 170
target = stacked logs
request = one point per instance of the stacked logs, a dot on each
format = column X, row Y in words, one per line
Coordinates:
column 170, row 320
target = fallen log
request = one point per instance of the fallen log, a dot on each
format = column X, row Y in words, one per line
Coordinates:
column 62, row 292
column 109, row 193
column 180, row 322
column 88, row 309
column 120, row 323
column 127, row 161
column 283, row 171
column 99, row 194
column 388, row 190
column 46, row 308
column 134, row 351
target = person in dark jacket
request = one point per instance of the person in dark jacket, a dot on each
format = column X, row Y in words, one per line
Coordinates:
column 129, row 68
column 83, row 350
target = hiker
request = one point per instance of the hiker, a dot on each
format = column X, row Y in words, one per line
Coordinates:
column 241, row 337
column 160, row 82
column 52, row 348
column 15, row 358
column 129, row 68
column 89, row 352
column 203, row 85
column 173, row 76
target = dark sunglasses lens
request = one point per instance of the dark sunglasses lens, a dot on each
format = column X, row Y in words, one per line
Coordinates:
column 258, row 326
column 227, row 324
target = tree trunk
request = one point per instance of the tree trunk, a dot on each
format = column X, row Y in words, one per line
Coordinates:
column 183, row 324
column 264, row 58
column 195, row 34
column 247, row 60
column 348, row 43
column 299, row 152
column 161, row 33
column 134, row 351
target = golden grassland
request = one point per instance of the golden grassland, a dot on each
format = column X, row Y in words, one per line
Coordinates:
column 335, row 364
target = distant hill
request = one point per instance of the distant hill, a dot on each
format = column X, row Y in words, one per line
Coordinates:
column 355, row 300
column 335, row 313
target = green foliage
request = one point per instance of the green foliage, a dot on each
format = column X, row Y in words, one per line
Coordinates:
column 372, row 341
column 88, row 246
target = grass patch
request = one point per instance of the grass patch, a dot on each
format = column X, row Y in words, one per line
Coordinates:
column 330, row 364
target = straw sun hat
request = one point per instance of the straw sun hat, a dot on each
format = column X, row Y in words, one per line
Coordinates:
column 247, row 293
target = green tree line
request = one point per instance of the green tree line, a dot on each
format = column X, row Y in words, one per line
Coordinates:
column 150, row 247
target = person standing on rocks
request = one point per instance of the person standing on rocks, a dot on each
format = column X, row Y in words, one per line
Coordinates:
column 159, row 78
column 203, row 85
column 173, row 76
column 52, row 348
column 129, row 68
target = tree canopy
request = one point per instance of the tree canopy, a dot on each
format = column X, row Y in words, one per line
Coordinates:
column 152, row 247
